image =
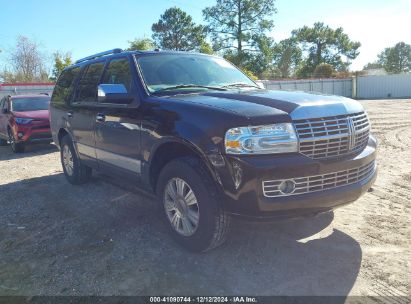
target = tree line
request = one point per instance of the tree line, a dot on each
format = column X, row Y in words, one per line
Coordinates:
column 239, row 31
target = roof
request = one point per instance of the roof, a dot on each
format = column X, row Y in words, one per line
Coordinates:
column 115, row 52
column 119, row 52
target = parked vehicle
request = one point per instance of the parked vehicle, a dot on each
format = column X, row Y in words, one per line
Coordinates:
column 24, row 120
column 211, row 144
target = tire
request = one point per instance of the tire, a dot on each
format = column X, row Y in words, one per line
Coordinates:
column 75, row 172
column 201, row 225
column 16, row 147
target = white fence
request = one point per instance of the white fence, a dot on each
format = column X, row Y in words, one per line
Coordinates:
column 386, row 86
column 341, row 87
column 362, row 87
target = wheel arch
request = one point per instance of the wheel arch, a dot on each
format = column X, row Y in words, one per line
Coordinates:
column 168, row 151
column 61, row 133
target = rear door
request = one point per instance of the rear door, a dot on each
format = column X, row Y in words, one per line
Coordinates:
column 60, row 107
column 82, row 116
column 118, row 127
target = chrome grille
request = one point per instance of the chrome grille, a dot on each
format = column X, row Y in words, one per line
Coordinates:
column 320, row 182
column 333, row 136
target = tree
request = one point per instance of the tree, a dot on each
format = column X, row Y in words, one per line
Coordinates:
column 396, row 59
column 60, row 62
column 141, row 44
column 206, row 48
column 325, row 45
column 27, row 63
column 175, row 30
column 323, row 70
column 239, row 26
column 287, row 57
column 262, row 59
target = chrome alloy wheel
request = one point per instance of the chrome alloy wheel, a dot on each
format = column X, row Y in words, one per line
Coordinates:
column 68, row 160
column 181, row 206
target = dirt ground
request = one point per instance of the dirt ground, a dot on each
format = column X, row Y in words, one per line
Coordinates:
column 99, row 239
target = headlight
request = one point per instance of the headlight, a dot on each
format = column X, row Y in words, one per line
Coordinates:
column 276, row 138
column 23, row 121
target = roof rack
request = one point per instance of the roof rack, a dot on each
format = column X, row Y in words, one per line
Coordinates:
column 113, row 51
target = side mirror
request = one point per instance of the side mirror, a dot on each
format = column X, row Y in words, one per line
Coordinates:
column 113, row 93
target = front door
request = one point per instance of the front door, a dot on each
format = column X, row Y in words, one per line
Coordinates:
column 118, row 126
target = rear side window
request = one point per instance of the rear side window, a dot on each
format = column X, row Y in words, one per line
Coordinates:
column 87, row 87
column 64, row 87
column 118, row 72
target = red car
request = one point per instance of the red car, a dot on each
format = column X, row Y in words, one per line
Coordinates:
column 24, row 119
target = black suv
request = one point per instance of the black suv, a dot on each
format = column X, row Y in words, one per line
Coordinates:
column 208, row 141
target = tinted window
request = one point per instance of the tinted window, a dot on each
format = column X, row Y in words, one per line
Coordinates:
column 29, row 104
column 87, row 87
column 65, row 84
column 118, row 72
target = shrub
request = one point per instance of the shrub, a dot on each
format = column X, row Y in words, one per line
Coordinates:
column 323, row 70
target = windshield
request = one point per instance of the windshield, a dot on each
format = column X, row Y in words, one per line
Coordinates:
column 164, row 72
column 30, row 104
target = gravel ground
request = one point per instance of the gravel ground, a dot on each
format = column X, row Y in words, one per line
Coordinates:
column 99, row 239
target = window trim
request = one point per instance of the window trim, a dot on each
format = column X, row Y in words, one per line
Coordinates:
column 131, row 89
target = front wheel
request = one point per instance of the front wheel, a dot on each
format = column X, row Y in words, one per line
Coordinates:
column 16, row 147
column 75, row 172
column 189, row 203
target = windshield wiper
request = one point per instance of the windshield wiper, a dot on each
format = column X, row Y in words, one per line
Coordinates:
column 240, row 85
column 194, row 86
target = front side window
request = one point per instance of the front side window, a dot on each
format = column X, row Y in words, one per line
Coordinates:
column 165, row 71
column 87, row 87
column 118, row 72
column 29, row 104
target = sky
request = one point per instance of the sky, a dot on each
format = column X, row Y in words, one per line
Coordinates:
column 86, row 27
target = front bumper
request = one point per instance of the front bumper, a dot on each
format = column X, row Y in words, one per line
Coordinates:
column 32, row 134
column 241, row 179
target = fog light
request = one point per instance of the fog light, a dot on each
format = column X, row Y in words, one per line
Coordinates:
column 287, row 186
column 20, row 134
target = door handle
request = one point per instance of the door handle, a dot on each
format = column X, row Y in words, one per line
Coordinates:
column 100, row 117
column 69, row 114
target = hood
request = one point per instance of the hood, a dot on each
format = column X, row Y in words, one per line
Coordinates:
column 299, row 105
column 40, row 114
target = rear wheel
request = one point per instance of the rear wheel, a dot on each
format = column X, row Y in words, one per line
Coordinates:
column 16, row 147
column 188, row 200
column 75, row 172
